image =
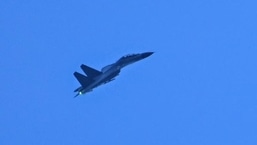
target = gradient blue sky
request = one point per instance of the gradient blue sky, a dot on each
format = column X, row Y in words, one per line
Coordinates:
column 199, row 88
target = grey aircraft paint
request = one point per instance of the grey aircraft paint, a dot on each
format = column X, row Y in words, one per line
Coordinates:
column 108, row 73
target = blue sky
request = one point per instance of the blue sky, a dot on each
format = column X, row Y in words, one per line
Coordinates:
column 199, row 88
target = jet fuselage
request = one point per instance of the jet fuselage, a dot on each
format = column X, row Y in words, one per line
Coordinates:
column 105, row 77
column 107, row 73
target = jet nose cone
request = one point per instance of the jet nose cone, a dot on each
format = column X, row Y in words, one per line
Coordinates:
column 146, row 54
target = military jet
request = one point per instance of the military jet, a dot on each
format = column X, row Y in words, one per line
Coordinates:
column 95, row 78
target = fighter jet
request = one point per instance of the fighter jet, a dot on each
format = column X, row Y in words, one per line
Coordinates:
column 95, row 78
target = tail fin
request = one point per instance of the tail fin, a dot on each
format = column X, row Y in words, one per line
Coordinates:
column 83, row 80
column 90, row 71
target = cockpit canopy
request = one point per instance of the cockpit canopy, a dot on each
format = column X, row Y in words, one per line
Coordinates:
column 104, row 69
column 127, row 56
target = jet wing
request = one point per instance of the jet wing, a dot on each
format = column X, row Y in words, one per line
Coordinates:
column 83, row 80
column 91, row 73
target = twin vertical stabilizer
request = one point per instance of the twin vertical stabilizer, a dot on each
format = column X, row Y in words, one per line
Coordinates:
column 91, row 73
column 83, row 80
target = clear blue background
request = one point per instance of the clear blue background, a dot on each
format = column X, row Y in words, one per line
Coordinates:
column 199, row 88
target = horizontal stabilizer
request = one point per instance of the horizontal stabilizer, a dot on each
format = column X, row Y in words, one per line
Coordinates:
column 78, row 89
column 90, row 72
column 83, row 80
